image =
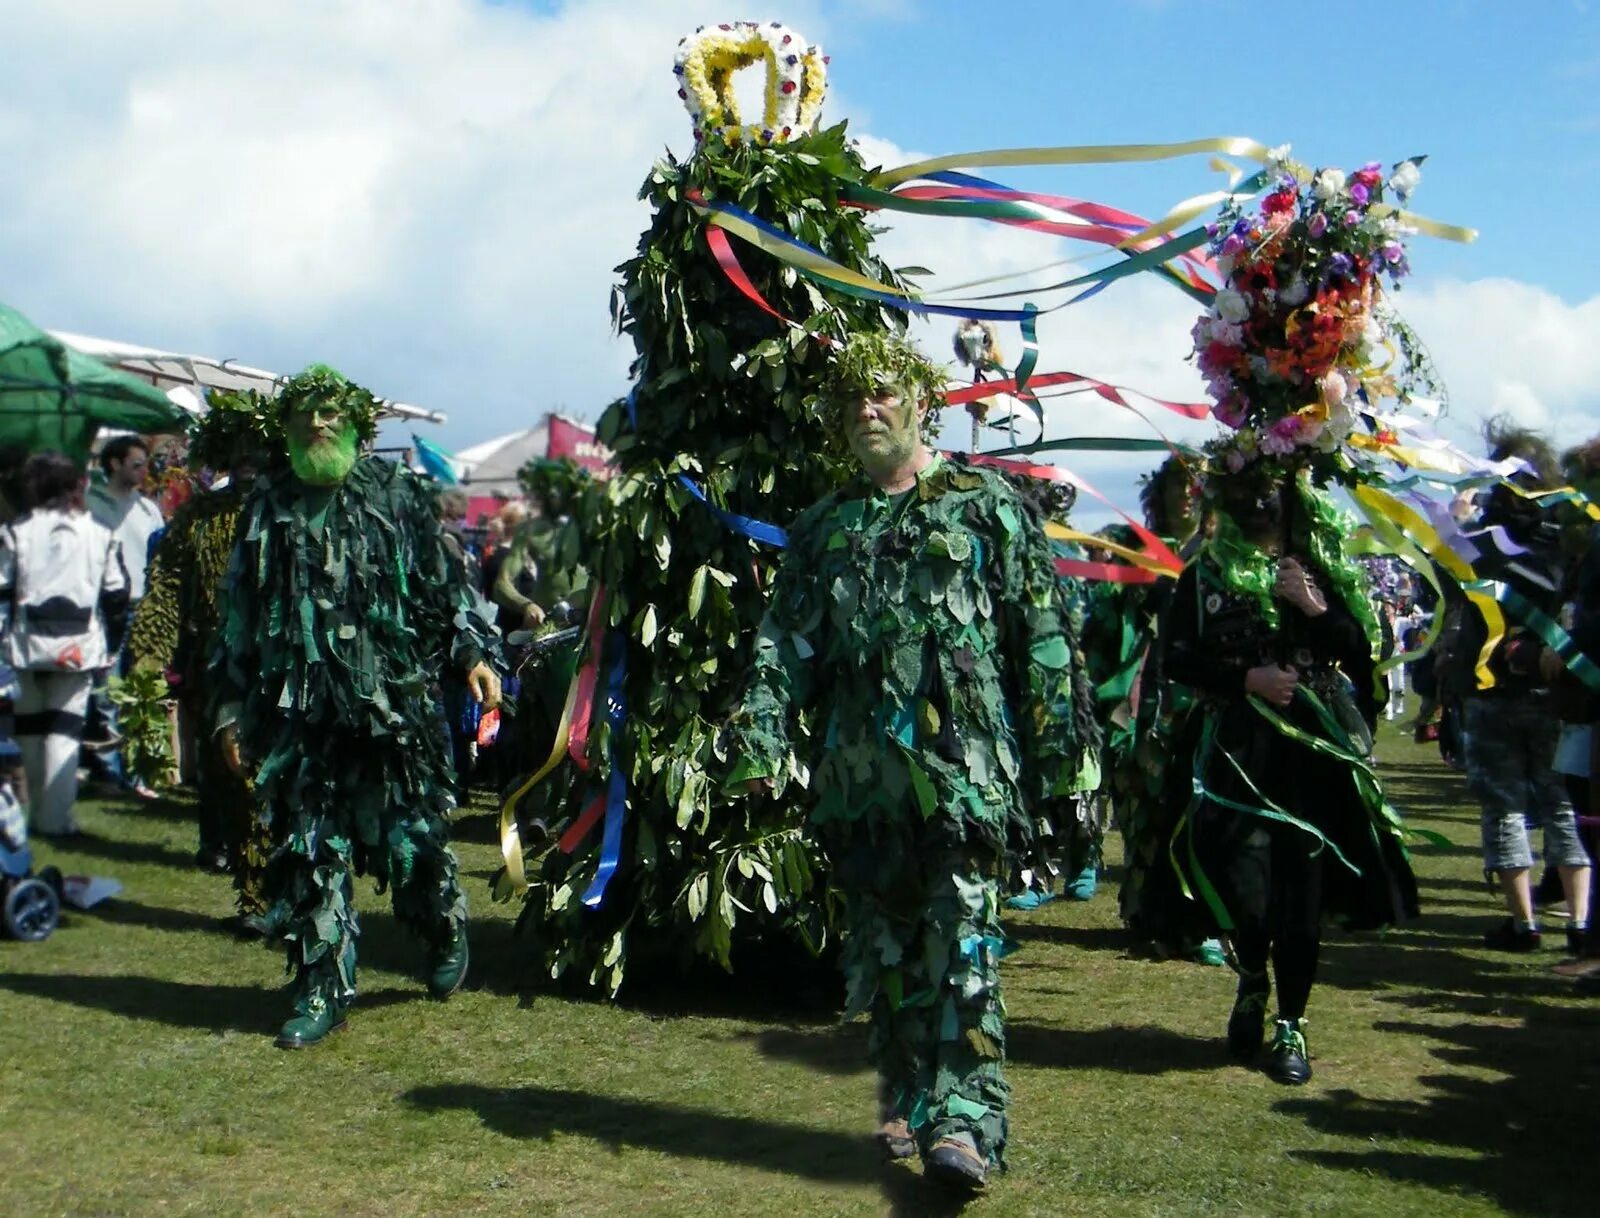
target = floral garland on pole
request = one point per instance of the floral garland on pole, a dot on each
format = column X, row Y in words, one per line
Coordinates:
column 796, row 80
column 1299, row 343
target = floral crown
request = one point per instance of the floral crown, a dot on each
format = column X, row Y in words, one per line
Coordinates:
column 796, row 80
column 1298, row 344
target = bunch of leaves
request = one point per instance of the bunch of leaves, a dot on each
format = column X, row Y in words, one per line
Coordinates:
column 732, row 399
column 321, row 386
column 559, row 486
column 141, row 699
column 237, row 426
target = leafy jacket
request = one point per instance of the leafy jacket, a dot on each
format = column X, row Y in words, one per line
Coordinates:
column 926, row 639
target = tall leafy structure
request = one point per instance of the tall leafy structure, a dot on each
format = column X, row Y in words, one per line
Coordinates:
column 726, row 396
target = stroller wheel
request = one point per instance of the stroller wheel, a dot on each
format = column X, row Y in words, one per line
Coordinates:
column 31, row 910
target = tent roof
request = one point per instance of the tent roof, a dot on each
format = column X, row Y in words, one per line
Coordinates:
column 168, row 369
column 492, row 465
column 53, row 396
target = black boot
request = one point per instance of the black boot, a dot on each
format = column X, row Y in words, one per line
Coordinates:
column 1287, row 1060
column 1246, row 1026
column 955, row 1161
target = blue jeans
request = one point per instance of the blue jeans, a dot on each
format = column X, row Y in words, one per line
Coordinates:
column 1510, row 749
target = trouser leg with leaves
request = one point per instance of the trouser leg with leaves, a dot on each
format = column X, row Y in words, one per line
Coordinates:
column 922, row 959
column 310, row 890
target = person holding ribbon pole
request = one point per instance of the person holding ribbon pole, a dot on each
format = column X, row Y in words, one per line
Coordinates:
column 915, row 670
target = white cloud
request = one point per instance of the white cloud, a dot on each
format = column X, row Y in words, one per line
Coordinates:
column 1506, row 346
column 431, row 194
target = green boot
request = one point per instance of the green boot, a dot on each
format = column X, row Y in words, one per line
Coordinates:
column 447, row 964
column 319, row 1017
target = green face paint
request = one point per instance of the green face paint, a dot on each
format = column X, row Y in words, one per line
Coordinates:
column 322, row 446
column 883, row 433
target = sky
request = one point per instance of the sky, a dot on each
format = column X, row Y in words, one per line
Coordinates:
column 431, row 194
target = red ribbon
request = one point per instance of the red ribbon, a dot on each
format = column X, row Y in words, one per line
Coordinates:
column 1105, row 572
column 583, row 706
column 1111, row 393
column 1106, row 225
column 579, row 829
column 1154, row 546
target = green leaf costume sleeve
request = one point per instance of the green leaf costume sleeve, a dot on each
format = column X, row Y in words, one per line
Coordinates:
column 1043, row 660
column 761, row 732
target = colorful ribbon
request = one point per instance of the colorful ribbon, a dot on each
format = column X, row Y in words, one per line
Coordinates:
column 515, row 876
column 617, row 786
column 756, row 530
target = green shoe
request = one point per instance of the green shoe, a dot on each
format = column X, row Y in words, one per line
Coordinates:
column 448, row 966
column 1286, row 1060
column 318, row 1019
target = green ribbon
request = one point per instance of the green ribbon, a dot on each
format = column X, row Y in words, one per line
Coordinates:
column 1549, row 632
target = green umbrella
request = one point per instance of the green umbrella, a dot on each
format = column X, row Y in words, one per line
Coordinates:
column 52, row 396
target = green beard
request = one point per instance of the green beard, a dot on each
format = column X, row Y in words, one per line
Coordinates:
column 324, row 462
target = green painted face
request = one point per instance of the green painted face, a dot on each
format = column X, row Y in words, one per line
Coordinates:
column 322, row 445
column 883, row 432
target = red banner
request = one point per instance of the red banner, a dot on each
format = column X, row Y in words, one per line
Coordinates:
column 578, row 443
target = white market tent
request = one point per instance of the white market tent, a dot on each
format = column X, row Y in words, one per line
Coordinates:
column 491, row 467
column 182, row 376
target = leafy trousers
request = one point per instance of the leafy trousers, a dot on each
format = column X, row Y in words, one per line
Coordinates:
column 921, row 957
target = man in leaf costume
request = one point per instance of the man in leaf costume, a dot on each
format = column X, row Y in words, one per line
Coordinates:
column 343, row 605
column 177, row 625
column 916, row 636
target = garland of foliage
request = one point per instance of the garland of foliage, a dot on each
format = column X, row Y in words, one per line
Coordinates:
column 731, row 398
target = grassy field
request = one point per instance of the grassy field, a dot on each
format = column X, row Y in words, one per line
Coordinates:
column 140, row 1077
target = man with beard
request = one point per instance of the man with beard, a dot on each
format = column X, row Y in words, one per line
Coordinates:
column 343, row 602
column 917, row 623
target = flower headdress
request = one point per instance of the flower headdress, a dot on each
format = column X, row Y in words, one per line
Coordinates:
column 1298, row 343
column 796, row 80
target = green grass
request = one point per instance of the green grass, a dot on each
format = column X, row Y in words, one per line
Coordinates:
column 140, row 1077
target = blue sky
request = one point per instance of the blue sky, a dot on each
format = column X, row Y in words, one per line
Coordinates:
column 431, row 194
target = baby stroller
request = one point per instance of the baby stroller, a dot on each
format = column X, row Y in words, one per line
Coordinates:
column 29, row 905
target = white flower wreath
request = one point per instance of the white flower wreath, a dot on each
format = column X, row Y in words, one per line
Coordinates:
column 796, row 80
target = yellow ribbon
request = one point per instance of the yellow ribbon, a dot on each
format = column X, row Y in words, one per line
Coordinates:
column 795, row 254
column 1387, row 515
column 516, row 877
column 1144, row 561
column 1433, row 228
column 1087, row 154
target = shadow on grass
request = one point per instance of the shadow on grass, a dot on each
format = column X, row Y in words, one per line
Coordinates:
column 1089, row 938
column 115, row 850
column 673, row 1129
column 692, row 1133
column 839, row 1049
column 1539, row 1110
column 1145, row 1049
column 208, row 1008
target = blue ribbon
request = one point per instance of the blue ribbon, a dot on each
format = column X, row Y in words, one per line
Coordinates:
column 617, row 788
column 755, row 530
